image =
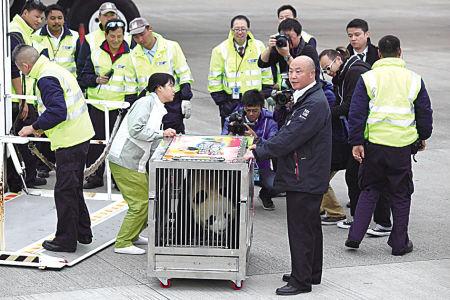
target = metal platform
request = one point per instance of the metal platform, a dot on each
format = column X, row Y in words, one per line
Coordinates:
column 32, row 219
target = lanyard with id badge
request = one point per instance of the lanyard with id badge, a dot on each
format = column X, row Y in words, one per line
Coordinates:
column 236, row 90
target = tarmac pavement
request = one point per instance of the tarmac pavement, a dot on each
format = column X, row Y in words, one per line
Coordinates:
column 370, row 272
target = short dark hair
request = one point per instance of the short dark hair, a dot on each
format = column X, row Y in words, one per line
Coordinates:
column 113, row 24
column 358, row 23
column 389, row 46
column 342, row 52
column 52, row 7
column 159, row 79
column 33, row 5
column 253, row 98
column 287, row 7
column 290, row 24
column 240, row 17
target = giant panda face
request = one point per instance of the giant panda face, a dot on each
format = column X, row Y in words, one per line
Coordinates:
column 212, row 210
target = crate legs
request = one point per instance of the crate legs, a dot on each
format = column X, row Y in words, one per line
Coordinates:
column 237, row 284
column 165, row 283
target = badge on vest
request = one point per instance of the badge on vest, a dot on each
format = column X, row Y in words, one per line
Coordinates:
column 252, row 61
column 235, row 91
column 160, row 63
column 120, row 66
column 67, row 47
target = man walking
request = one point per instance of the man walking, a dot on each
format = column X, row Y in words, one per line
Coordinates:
column 390, row 115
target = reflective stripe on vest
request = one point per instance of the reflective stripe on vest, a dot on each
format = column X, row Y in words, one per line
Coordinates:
column 228, row 69
column 169, row 58
column 20, row 26
column 121, row 83
column 63, row 54
column 392, row 90
column 77, row 127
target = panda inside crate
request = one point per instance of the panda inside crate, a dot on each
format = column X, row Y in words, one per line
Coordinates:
column 199, row 208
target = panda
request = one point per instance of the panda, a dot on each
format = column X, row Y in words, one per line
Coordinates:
column 214, row 214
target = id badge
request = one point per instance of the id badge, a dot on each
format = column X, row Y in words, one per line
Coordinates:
column 256, row 177
column 235, row 94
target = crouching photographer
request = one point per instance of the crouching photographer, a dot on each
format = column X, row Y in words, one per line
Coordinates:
column 254, row 120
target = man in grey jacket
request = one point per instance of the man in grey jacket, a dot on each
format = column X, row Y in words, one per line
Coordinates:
column 303, row 150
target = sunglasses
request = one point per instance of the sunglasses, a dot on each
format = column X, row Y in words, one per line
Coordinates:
column 115, row 24
column 327, row 69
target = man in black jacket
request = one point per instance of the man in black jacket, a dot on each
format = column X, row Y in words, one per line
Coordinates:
column 303, row 150
column 358, row 36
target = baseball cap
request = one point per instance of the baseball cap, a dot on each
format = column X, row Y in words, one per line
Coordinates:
column 107, row 7
column 138, row 25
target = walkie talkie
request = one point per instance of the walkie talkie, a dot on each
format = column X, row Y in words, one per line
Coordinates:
column 110, row 73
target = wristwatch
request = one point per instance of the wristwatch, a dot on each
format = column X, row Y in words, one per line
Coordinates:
column 286, row 58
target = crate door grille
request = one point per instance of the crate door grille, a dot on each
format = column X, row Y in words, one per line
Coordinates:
column 197, row 208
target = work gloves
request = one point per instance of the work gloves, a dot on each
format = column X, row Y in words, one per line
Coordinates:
column 186, row 108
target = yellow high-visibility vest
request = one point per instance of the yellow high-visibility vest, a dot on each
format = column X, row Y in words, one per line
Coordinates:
column 392, row 90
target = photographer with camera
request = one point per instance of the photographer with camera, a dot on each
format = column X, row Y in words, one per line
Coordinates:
column 108, row 75
column 234, row 70
column 289, row 12
column 254, row 120
column 284, row 47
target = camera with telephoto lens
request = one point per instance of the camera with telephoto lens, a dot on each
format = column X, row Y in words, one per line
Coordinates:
column 236, row 123
column 282, row 97
column 282, row 40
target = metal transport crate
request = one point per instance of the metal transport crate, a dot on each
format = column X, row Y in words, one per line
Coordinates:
column 201, row 209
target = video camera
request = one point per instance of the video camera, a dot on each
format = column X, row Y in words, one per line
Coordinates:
column 282, row 40
column 282, row 97
column 237, row 122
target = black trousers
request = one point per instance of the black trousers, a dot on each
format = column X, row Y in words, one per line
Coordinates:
column 305, row 238
column 385, row 170
column 382, row 213
column 73, row 215
column 14, row 181
column 98, row 121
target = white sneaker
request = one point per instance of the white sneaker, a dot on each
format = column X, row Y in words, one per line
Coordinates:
column 133, row 250
column 379, row 230
column 141, row 241
column 345, row 224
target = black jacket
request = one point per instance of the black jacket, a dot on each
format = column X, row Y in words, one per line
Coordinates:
column 344, row 85
column 302, row 146
column 372, row 52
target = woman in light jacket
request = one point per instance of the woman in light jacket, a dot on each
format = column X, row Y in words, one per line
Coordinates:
column 129, row 154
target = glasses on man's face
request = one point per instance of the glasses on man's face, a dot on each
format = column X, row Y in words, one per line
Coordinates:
column 115, row 24
column 327, row 69
column 240, row 30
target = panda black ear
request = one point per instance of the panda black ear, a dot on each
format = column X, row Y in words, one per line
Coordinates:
column 201, row 196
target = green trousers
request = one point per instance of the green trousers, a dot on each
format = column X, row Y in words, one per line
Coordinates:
column 134, row 188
